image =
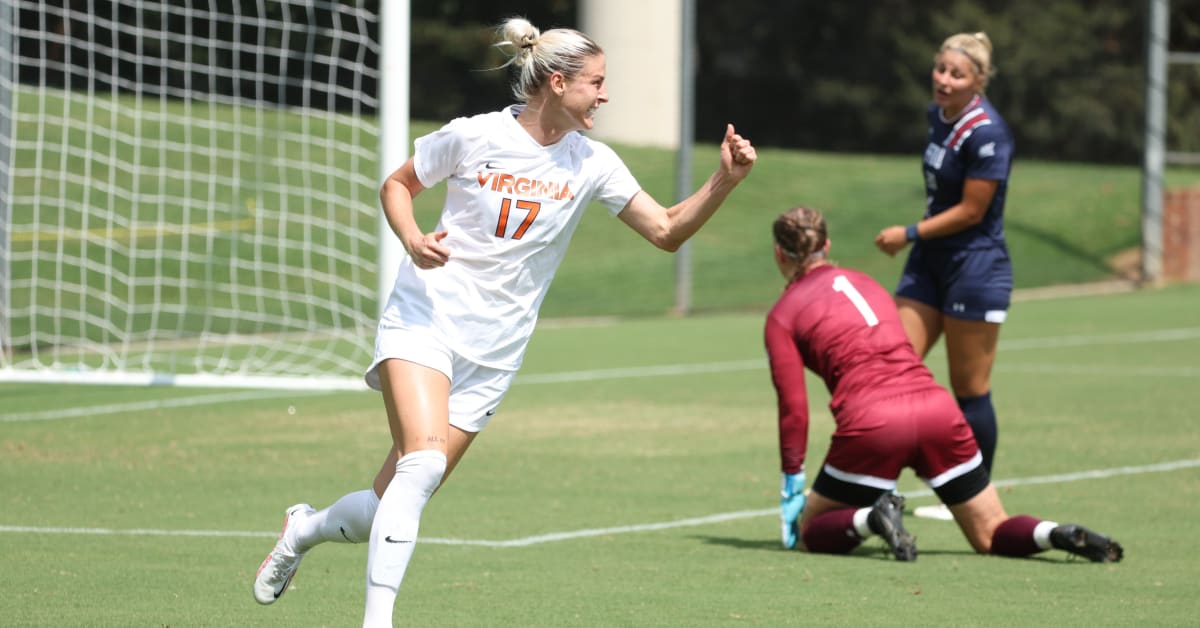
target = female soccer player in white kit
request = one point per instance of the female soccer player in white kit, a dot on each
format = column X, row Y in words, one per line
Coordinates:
column 467, row 294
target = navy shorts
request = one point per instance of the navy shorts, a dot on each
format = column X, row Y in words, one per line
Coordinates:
column 972, row 284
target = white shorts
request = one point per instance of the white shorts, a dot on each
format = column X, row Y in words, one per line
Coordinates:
column 475, row 390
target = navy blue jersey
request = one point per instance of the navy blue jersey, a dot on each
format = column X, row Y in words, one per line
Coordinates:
column 976, row 145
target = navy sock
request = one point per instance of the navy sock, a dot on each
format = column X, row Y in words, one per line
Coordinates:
column 982, row 418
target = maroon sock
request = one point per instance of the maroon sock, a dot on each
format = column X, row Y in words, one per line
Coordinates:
column 832, row 532
column 1014, row 537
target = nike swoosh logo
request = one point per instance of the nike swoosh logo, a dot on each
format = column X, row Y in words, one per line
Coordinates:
column 283, row 588
column 489, row 413
column 491, row 166
column 389, row 539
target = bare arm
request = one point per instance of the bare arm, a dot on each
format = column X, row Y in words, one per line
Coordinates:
column 669, row 228
column 977, row 195
column 396, row 196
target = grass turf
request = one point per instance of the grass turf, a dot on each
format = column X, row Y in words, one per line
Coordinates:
column 175, row 506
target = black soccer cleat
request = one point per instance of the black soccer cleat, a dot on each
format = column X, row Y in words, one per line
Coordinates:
column 884, row 520
column 1081, row 541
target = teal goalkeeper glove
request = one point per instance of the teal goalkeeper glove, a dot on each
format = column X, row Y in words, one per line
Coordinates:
column 791, row 504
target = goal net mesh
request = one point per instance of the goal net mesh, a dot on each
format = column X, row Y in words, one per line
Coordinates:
column 188, row 192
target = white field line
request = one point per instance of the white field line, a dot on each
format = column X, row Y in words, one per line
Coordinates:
column 156, row 404
column 1094, row 474
column 1115, row 370
column 1164, row 335
column 641, row 371
column 1124, row 338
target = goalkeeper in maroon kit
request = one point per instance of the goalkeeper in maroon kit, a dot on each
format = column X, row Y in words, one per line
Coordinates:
column 890, row 414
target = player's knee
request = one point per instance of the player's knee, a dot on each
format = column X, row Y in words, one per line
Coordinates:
column 424, row 468
column 969, row 383
column 978, row 525
column 981, row 541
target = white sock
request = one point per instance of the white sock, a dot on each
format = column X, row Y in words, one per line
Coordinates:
column 860, row 522
column 1041, row 534
column 394, row 531
column 348, row 520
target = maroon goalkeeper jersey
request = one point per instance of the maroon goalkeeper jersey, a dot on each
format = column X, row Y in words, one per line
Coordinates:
column 844, row 326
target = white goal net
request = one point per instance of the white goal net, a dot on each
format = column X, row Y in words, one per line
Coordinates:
column 188, row 192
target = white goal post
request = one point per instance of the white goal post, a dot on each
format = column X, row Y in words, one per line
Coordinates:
column 189, row 191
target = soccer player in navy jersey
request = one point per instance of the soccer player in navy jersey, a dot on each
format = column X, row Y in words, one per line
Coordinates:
column 890, row 414
column 958, row 279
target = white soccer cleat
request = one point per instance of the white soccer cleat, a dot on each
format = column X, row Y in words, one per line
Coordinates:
column 277, row 569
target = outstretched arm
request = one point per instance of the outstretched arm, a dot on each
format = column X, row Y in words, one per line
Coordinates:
column 669, row 228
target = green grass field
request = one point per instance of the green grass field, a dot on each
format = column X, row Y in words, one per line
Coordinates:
column 631, row 476
column 630, row 479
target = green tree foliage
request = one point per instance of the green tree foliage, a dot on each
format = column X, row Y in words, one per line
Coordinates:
column 855, row 75
column 1072, row 81
column 454, row 65
column 1183, row 80
column 850, row 75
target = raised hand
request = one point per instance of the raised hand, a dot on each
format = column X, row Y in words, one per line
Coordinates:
column 737, row 154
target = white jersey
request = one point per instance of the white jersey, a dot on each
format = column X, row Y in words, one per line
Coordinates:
column 511, row 208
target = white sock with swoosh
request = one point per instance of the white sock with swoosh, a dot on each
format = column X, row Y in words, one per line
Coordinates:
column 348, row 520
column 394, row 530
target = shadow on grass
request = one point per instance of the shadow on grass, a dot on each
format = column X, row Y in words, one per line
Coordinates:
column 739, row 543
column 871, row 548
column 1059, row 244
